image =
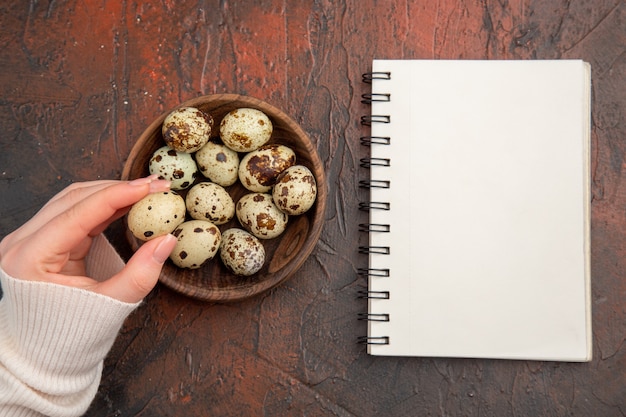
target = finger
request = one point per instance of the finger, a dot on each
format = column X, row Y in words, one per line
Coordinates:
column 118, row 214
column 76, row 187
column 56, row 205
column 65, row 199
column 141, row 273
column 90, row 215
column 75, row 193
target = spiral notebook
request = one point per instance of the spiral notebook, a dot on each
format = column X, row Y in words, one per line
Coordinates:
column 479, row 210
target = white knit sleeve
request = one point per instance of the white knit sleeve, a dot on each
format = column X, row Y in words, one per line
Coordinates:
column 53, row 340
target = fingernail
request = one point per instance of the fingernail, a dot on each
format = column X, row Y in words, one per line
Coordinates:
column 164, row 248
column 144, row 180
column 160, row 185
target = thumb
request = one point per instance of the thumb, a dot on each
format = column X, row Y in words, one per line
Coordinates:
column 142, row 271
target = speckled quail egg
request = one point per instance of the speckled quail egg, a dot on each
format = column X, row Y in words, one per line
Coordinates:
column 156, row 214
column 245, row 129
column 198, row 242
column 258, row 214
column 210, row 201
column 242, row 253
column 295, row 190
column 259, row 169
column 187, row 129
column 218, row 163
column 177, row 167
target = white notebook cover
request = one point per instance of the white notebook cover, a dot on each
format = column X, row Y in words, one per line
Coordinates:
column 489, row 219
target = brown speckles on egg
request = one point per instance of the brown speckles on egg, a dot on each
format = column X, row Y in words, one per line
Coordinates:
column 245, row 129
column 209, row 201
column 259, row 169
column 242, row 253
column 295, row 190
column 218, row 163
column 241, row 141
column 258, row 214
column 155, row 215
column 265, row 221
column 195, row 248
column 207, row 117
column 187, row 129
column 177, row 167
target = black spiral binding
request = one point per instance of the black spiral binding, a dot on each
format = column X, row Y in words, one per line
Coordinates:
column 376, row 273
column 374, row 184
column 373, row 272
column 380, row 295
column 381, row 250
column 374, row 317
column 370, row 162
column 369, row 76
column 374, row 340
column 374, row 227
column 375, row 140
column 371, row 97
column 367, row 120
column 374, row 205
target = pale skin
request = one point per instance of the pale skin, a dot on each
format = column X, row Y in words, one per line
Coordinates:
column 53, row 244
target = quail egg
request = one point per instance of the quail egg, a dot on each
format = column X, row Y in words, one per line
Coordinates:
column 187, row 129
column 245, row 129
column 198, row 241
column 218, row 163
column 258, row 214
column 295, row 190
column 156, row 214
column 209, row 201
column 259, row 169
column 177, row 167
column 242, row 253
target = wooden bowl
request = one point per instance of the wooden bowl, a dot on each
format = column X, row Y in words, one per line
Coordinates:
column 284, row 254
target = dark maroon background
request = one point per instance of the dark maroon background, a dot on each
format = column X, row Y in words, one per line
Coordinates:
column 81, row 80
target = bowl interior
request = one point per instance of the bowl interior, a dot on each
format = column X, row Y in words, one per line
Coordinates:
column 284, row 254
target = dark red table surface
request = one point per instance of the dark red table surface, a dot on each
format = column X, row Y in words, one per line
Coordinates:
column 80, row 81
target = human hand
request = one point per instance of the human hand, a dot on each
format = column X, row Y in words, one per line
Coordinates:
column 52, row 246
